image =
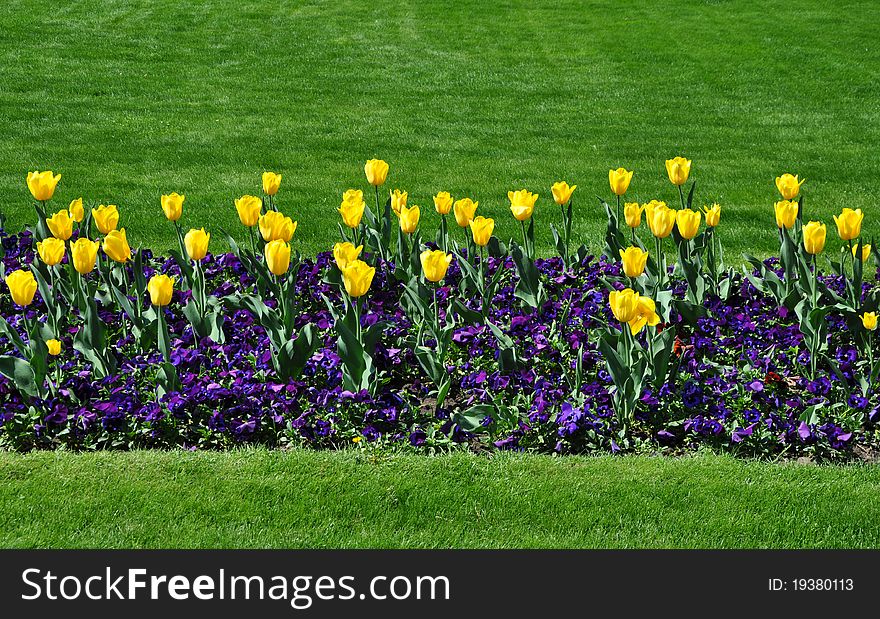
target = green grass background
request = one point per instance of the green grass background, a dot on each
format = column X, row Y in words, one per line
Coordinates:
column 303, row 499
column 131, row 99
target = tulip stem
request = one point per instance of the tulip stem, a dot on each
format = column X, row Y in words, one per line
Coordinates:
column 618, row 212
column 253, row 240
column 436, row 316
column 681, row 197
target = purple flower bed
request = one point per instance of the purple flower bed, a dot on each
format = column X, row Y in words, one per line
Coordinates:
column 740, row 384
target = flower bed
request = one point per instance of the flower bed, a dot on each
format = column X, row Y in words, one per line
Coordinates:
column 502, row 350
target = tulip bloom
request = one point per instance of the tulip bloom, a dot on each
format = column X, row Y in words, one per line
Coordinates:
column 160, row 287
column 646, row 314
column 275, row 226
column 278, row 257
column 54, row 347
column 634, row 261
column 464, row 210
column 522, row 203
column 624, row 304
column 249, row 208
column 77, row 213
column 22, row 287
column 51, row 251
column 357, row 277
column 84, row 253
column 866, row 252
column 346, row 253
column 42, row 184
column 849, row 223
column 786, row 214
column 352, row 207
column 196, row 242
column 172, row 205
column 632, row 213
column 271, row 183
column 116, row 246
column 619, row 180
column 661, row 219
column 678, row 169
column 376, row 171
column 788, row 186
column 409, row 219
column 688, row 223
column 713, row 215
column 435, row 264
column 869, row 320
column 443, row 203
column 398, row 200
column 562, row 192
column 60, row 225
column 481, row 229
column 814, row 237
column 106, row 217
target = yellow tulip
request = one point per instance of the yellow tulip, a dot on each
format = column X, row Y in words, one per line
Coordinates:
column 84, row 253
column 357, row 277
column 788, row 186
column 713, row 215
column 271, row 183
column 42, row 184
column 249, row 208
column 160, row 287
column 869, row 320
column 435, row 264
column 624, row 304
column 54, row 347
column 346, row 253
column 116, row 246
column 634, row 261
column 632, row 213
column 352, row 207
column 278, row 257
column 481, row 229
column 646, row 314
column 866, row 252
column 196, row 243
column 106, row 217
column 376, row 171
column 409, row 219
column 398, row 200
column 22, row 287
column 443, row 203
column 60, row 225
column 522, row 203
column 464, row 210
column 76, row 210
column 814, row 237
column 661, row 219
column 172, row 205
column 849, row 223
column 562, row 192
column 51, row 251
column 786, row 213
column 678, row 169
column 275, row 226
column 619, row 180
column 688, row 222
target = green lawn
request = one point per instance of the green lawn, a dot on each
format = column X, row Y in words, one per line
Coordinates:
column 130, row 99
column 303, row 499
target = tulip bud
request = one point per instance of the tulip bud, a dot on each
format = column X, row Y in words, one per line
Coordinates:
column 434, row 264
column 196, row 243
column 678, row 169
column 814, row 237
column 51, row 251
column 116, row 246
column 275, row 226
column 632, row 213
column 106, row 218
column 866, row 252
column 271, row 183
column 398, row 200
column 688, row 223
column 562, row 192
column 357, row 277
column 624, row 304
column 849, row 223
column 661, row 219
column 54, row 347
column 42, row 184
column 522, row 203
column 60, row 225
column 464, row 210
column 352, row 208
column 376, row 171
column 172, row 205
column 619, row 180
column 160, row 287
column 443, row 203
column 634, row 261
column 346, row 253
column 481, row 229
column 22, row 287
column 869, row 320
column 713, row 215
column 77, row 213
column 788, row 186
column 278, row 257
column 786, row 214
column 84, row 253
column 409, row 219
column 249, row 208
